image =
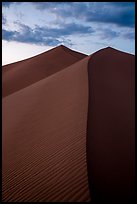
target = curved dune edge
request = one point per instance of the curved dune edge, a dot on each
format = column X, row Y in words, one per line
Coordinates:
column 44, row 139
column 69, row 137
column 19, row 75
column 111, row 126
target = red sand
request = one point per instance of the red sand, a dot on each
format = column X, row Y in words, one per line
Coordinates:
column 49, row 152
column 111, row 128
column 21, row 74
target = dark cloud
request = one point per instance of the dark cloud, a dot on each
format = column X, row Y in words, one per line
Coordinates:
column 8, row 35
column 30, row 38
column 121, row 4
column 119, row 13
column 7, row 4
column 3, row 20
column 44, row 35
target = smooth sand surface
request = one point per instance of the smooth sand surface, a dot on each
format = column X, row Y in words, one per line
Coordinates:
column 68, row 128
column 21, row 74
column 111, row 136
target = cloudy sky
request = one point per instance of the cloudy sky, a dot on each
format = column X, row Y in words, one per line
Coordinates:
column 30, row 28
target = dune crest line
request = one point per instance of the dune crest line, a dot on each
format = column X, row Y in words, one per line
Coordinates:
column 68, row 127
column 21, row 74
column 111, row 126
column 44, row 139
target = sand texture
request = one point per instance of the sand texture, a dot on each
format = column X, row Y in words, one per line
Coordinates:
column 68, row 127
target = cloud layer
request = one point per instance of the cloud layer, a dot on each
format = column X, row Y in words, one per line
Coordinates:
column 119, row 13
column 44, row 35
column 53, row 23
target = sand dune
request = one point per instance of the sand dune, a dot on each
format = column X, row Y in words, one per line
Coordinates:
column 44, row 159
column 68, row 128
column 110, row 133
column 21, row 74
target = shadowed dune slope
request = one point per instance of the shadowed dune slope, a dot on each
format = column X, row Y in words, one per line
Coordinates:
column 21, row 74
column 68, row 131
column 44, row 139
column 110, row 132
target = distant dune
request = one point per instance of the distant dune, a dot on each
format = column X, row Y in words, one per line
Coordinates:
column 21, row 74
column 68, row 127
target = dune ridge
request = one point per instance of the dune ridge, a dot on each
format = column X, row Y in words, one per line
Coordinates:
column 45, row 158
column 21, row 74
column 66, row 133
column 111, row 127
